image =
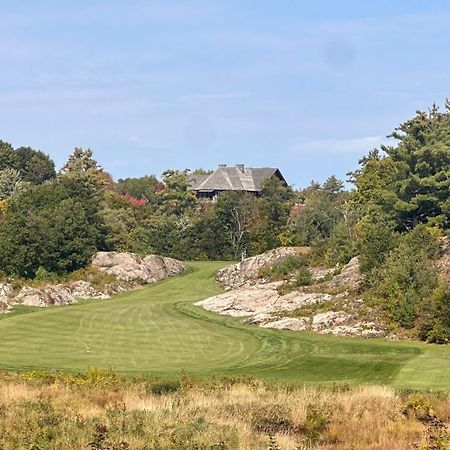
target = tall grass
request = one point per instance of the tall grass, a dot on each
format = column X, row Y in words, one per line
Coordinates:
column 101, row 410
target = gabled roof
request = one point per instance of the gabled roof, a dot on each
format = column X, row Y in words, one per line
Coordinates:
column 235, row 178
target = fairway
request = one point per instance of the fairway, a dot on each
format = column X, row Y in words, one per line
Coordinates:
column 156, row 330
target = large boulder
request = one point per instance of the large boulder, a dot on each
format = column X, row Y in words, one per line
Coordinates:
column 247, row 271
column 260, row 299
column 131, row 267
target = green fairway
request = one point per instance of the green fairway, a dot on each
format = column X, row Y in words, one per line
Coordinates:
column 157, row 330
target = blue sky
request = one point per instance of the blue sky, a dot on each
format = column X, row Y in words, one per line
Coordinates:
column 306, row 86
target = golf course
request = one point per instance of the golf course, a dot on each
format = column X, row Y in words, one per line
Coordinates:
column 158, row 331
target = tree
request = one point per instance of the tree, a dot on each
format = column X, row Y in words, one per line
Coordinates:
column 8, row 158
column 10, row 183
column 55, row 225
column 411, row 181
column 81, row 161
column 33, row 165
column 235, row 211
column 142, row 187
column 332, row 186
column 175, row 198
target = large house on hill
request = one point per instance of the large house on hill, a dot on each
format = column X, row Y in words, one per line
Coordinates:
column 233, row 178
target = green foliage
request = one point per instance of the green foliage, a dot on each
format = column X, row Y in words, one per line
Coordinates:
column 283, row 268
column 11, row 183
column 164, row 387
column 81, row 161
column 55, row 226
column 42, row 274
column 304, row 277
column 401, row 284
column 32, row 165
column 411, row 183
column 376, row 239
column 435, row 317
column 143, row 187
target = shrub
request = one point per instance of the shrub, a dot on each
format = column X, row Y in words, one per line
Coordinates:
column 402, row 284
column 43, row 275
column 304, row 277
column 283, row 268
column 164, row 387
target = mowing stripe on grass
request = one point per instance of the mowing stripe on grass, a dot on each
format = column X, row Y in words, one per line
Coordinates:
column 157, row 330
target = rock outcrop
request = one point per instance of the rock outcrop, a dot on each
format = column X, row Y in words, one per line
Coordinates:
column 247, row 271
column 309, row 308
column 6, row 291
column 349, row 278
column 128, row 271
column 59, row 294
column 260, row 299
column 131, row 267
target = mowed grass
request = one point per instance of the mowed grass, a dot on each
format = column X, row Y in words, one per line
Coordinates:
column 157, row 331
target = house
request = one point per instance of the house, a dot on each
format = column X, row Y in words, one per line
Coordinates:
column 233, row 178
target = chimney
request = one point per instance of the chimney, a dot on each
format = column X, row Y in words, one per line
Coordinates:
column 240, row 167
column 222, row 166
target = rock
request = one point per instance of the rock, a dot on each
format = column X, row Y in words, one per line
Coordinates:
column 44, row 296
column 349, row 278
column 126, row 267
column 289, row 323
column 6, row 290
column 260, row 299
column 324, row 320
column 59, row 294
column 363, row 329
column 84, row 289
column 248, row 270
column 259, row 319
column 130, row 267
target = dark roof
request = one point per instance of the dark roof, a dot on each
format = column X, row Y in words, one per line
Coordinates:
column 235, row 178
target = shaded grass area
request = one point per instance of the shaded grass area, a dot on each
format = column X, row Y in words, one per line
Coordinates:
column 158, row 331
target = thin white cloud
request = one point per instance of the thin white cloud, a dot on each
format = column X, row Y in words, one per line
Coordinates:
column 351, row 145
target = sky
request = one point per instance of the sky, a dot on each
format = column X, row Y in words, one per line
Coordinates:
column 306, row 86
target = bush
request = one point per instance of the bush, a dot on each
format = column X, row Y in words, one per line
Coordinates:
column 43, row 275
column 304, row 277
column 435, row 316
column 164, row 387
column 402, row 284
column 283, row 268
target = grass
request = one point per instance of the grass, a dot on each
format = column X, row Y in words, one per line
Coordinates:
column 101, row 411
column 157, row 331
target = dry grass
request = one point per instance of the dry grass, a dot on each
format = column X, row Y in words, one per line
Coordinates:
column 63, row 412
